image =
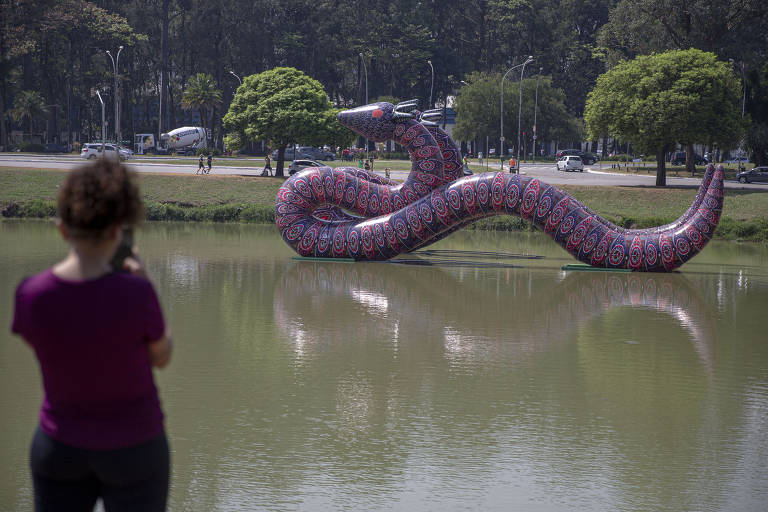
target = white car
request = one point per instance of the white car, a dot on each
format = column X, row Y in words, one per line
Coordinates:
column 570, row 163
column 93, row 150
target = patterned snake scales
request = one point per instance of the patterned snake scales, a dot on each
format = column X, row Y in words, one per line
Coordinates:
column 350, row 213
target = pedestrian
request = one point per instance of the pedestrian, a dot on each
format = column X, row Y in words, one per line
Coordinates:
column 210, row 161
column 96, row 333
column 387, row 171
column 360, row 164
column 480, row 158
column 512, row 164
column 267, row 167
column 200, row 165
column 367, row 165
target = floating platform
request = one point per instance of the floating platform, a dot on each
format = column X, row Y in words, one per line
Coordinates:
column 310, row 258
column 589, row 268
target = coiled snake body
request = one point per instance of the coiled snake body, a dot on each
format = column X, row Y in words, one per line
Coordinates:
column 344, row 213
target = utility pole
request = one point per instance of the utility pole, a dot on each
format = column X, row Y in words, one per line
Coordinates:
column 535, row 107
column 115, row 64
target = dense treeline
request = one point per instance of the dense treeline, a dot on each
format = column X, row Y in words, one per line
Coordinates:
column 56, row 48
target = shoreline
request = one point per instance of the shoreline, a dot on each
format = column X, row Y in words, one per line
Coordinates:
column 31, row 194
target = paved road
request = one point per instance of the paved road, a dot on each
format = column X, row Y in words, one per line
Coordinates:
column 596, row 175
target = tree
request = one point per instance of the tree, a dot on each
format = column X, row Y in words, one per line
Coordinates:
column 336, row 135
column 28, row 106
column 657, row 100
column 757, row 106
column 201, row 93
column 732, row 29
column 283, row 106
column 477, row 108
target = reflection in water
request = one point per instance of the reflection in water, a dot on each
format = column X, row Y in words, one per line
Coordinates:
column 390, row 298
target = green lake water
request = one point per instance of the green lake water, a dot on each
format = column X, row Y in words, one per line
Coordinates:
column 476, row 376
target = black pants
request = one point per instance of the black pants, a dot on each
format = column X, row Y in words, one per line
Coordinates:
column 72, row 479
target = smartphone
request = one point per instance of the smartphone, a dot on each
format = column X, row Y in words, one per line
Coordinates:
column 124, row 250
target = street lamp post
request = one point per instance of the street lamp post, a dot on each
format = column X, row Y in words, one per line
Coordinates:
column 115, row 64
column 365, row 69
column 535, row 108
column 501, row 112
column 520, row 108
column 238, row 78
column 743, row 101
column 103, row 122
column 431, row 83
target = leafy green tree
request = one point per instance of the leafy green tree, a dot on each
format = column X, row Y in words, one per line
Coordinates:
column 477, row 108
column 282, row 105
column 655, row 101
column 28, row 106
column 201, row 93
column 336, row 135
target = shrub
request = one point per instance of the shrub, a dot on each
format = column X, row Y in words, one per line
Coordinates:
column 621, row 157
column 205, row 151
column 395, row 155
column 31, row 147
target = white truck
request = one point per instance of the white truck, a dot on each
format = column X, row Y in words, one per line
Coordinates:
column 184, row 139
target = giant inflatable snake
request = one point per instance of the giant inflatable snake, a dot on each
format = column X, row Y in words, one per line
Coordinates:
column 349, row 213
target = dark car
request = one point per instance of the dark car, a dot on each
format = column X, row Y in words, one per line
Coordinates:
column 306, row 152
column 678, row 158
column 756, row 174
column 300, row 165
column 52, row 147
column 586, row 157
column 316, row 153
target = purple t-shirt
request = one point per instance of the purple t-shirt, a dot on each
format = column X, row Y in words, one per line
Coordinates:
column 90, row 338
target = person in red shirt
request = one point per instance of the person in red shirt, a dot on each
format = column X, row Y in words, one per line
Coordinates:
column 97, row 331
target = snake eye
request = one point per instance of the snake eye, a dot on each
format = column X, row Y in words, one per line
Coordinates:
column 377, row 113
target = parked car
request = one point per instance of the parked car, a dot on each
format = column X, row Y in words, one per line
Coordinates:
column 307, row 153
column 678, row 158
column 570, row 163
column 300, row 165
column 52, row 147
column 316, row 153
column 586, row 157
column 756, row 174
column 93, row 150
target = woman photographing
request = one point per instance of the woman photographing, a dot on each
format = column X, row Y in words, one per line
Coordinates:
column 97, row 331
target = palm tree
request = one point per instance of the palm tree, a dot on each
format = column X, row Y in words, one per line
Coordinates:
column 27, row 106
column 200, row 93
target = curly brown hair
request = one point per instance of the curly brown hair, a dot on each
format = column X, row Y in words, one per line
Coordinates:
column 98, row 195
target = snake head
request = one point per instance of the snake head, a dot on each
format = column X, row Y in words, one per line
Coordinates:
column 377, row 121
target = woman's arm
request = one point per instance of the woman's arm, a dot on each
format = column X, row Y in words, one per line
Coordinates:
column 160, row 350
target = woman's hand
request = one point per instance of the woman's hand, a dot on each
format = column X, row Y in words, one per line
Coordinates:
column 134, row 265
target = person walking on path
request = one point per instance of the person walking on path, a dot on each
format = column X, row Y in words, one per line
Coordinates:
column 96, row 332
column 210, row 161
column 200, row 165
column 267, row 167
column 367, row 165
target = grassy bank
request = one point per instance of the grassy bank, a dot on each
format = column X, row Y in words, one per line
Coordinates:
column 32, row 193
